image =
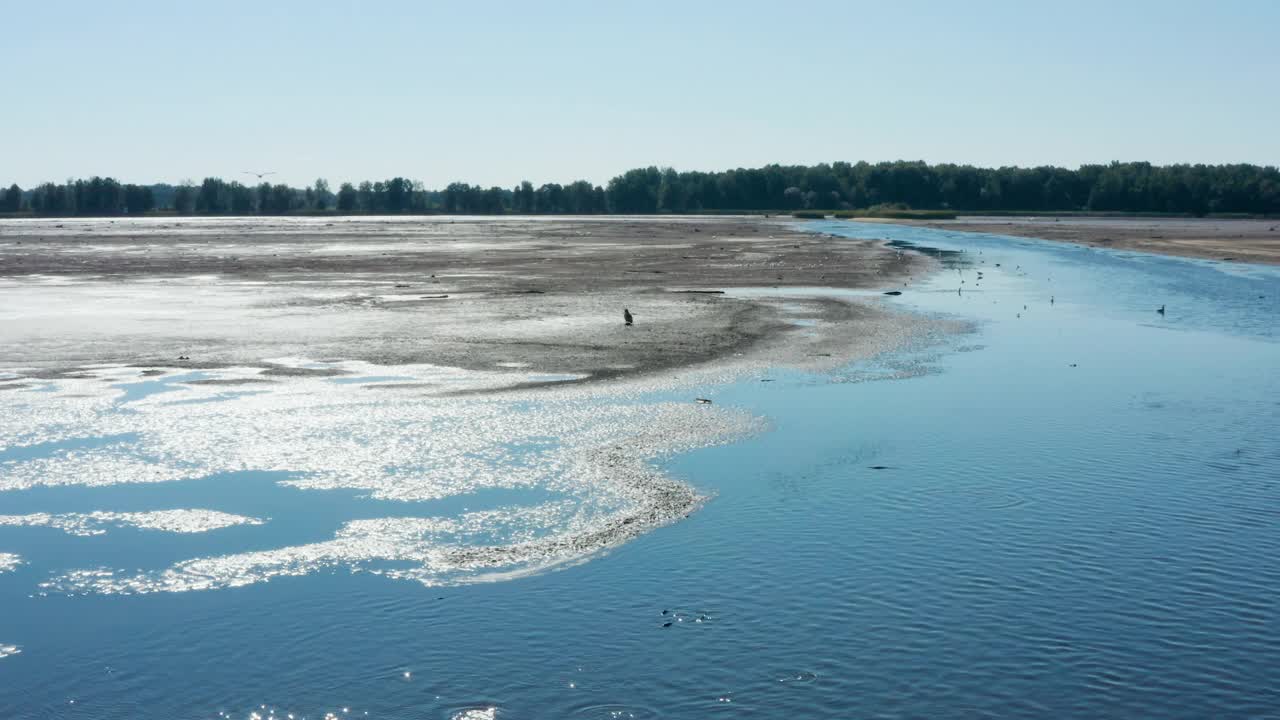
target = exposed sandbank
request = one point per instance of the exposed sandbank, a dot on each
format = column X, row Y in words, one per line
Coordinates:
column 346, row 351
column 542, row 294
column 1255, row 241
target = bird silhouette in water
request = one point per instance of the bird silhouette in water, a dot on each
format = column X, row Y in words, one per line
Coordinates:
column 627, row 318
column 1160, row 310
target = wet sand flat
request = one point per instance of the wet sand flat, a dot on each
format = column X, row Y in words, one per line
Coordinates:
column 351, row 356
column 539, row 294
column 1256, row 241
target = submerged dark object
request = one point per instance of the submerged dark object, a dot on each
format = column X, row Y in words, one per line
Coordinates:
column 894, row 292
column 626, row 316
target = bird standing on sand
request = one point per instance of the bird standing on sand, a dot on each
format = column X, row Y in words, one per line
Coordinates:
column 1161, row 310
column 626, row 317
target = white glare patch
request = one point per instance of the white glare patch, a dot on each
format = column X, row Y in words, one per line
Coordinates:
column 97, row 467
column 574, row 466
column 94, row 523
column 9, row 562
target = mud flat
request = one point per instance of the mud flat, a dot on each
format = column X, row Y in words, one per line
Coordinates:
column 527, row 294
column 1255, row 241
column 409, row 360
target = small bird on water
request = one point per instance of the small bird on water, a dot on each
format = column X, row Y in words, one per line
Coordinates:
column 626, row 317
column 1160, row 310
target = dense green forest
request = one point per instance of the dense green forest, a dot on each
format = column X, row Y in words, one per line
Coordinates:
column 1118, row 187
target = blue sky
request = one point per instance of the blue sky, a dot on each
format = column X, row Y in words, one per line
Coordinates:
column 496, row 92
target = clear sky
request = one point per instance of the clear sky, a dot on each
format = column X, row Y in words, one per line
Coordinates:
column 495, row 92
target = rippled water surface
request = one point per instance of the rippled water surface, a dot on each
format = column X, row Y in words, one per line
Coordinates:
column 1073, row 511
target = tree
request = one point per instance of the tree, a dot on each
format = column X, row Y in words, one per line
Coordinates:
column 671, row 197
column 1117, row 186
column 580, row 198
column 240, row 198
column 491, row 201
column 346, row 198
column 281, row 199
column 321, row 197
column 792, row 198
column 524, row 197
column 138, row 199
column 366, row 198
column 399, row 191
column 635, row 191
column 549, row 198
column 263, row 192
column 12, row 201
column 184, row 199
column 456, row 196
column 212, row 198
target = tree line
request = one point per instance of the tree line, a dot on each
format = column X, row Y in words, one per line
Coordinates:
column 1117, row 187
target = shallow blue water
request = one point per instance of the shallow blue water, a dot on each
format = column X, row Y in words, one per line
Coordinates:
column 1078, row 515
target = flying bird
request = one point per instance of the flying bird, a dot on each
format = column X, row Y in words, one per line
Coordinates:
column 626, row 316
column 258, row 174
